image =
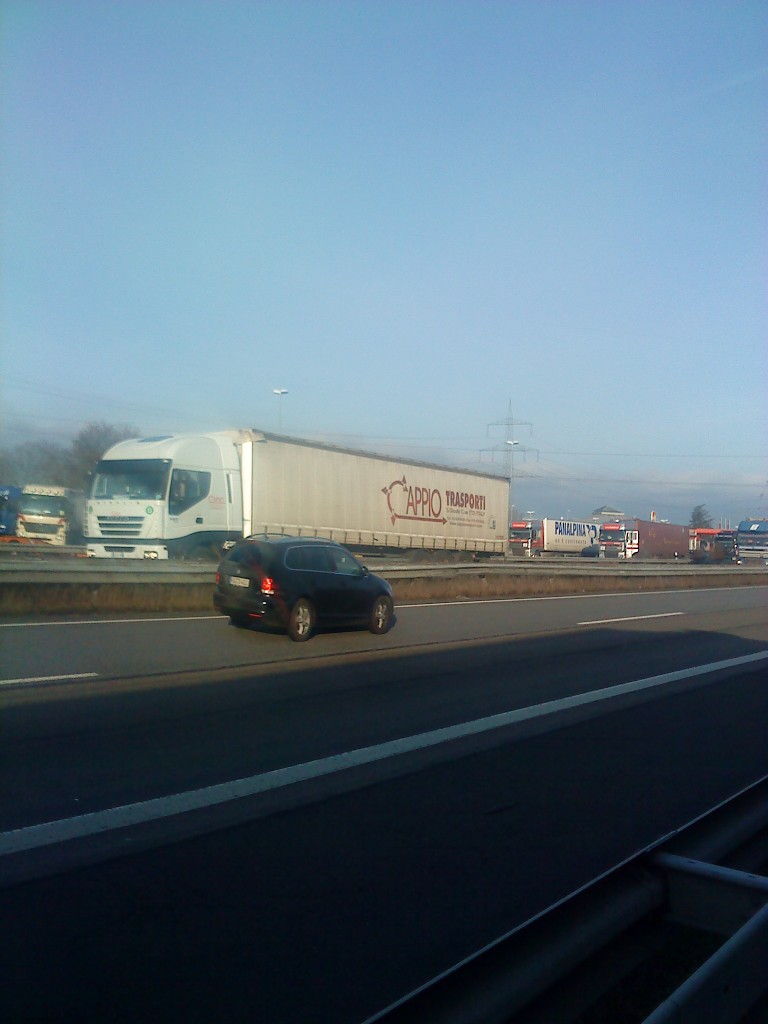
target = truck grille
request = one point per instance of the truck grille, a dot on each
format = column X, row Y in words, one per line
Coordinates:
column 41, row 527
column 120, row 526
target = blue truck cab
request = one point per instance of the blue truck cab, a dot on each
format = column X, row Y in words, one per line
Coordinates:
column 9, row 510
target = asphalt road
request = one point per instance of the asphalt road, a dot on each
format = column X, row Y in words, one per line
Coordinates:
column 124, row 646
column 324, row 899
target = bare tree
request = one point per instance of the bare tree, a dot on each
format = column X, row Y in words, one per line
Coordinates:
column 46, row 462
column 90, row 444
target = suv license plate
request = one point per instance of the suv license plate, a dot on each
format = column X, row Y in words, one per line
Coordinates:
column 239, row 581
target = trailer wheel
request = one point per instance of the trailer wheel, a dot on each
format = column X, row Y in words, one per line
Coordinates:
column 381, row 615
column 301, row 621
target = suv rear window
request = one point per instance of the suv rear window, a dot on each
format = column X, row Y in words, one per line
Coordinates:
column 251, row 555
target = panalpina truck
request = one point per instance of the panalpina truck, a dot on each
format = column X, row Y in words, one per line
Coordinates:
column 643, row 538
column 552, row 537
column 184, row 496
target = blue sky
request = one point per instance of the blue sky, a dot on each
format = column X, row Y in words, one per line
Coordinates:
column 422, row 219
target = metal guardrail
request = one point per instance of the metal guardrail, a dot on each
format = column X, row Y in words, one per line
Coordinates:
column 514, row 975
column 79, row 571
column 41, row 583
column 69, row 565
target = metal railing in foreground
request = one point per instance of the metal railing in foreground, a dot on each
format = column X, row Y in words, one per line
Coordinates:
column 552, row 968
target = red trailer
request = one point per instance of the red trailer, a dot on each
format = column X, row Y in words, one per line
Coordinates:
column 643, row 538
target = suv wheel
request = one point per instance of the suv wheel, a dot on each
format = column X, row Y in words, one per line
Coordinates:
column 301, row 621
column 381, row 615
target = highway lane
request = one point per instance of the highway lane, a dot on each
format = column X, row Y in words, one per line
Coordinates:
column 83, row 745
column 328, row 899
column 329, row 907
column 151, row 644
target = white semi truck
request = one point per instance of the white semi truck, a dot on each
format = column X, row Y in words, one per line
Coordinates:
column 184, row 496
column 552, row 537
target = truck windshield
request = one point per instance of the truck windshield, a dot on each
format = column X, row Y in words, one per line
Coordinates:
column 521, row 533
column 146, row 479
column 614, row 535
column 44, row 505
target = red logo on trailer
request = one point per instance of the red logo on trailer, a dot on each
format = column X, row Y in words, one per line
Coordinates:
column 419, row 504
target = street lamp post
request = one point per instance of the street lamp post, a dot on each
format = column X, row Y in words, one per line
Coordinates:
column 510, row 472
column 279, row 392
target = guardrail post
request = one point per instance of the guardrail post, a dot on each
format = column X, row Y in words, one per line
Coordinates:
column 708, row 896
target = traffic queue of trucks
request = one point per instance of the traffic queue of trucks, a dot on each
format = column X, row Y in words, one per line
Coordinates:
column 643, row 538
column 39, row 513
column 623, row 539
column 747, row 544
column 633, row 538
column 185, row 496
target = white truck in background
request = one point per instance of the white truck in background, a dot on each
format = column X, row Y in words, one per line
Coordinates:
column 42, row 513
column 531, row 539
column 566, row 537
column 184, row 496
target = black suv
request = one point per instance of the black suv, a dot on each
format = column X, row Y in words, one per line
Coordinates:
column 299, row 584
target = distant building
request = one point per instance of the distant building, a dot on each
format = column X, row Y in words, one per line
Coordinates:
column 607, row 514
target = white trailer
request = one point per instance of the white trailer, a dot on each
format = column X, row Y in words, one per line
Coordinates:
column 564, row 537
column 184, row 496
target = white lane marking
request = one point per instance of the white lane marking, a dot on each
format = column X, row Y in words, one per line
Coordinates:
column 631, row 618
column 574, row 597
column 48, row 833
column 30, row 680
column 113, row 622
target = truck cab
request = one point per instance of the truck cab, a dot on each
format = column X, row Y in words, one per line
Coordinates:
column 161, row 497
column 9, row 510
column 612, row 540
column 45, row 514
column 523, row 537
column 36, row 512
column 752, row 540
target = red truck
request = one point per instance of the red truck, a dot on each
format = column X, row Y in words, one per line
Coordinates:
column 522, row 538
column 643, row 538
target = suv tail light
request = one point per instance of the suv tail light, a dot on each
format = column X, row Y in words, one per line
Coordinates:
column 268, row 586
